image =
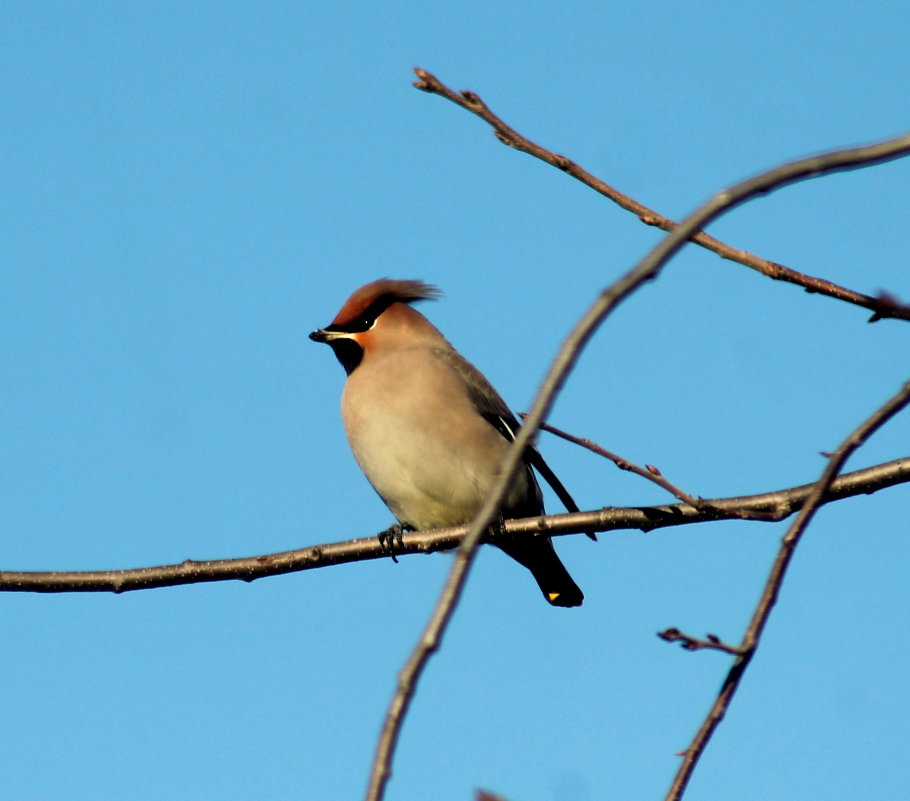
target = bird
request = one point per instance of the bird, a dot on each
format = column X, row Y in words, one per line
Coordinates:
column 429, row 431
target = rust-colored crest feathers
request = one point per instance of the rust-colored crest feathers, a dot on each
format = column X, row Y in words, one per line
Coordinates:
column 383, row 293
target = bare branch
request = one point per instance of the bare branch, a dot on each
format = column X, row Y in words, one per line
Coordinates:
column 771, row 506
column 651, row 473
column 768, row 598
column 690, row 643
column 562, row 365
column 882, row 306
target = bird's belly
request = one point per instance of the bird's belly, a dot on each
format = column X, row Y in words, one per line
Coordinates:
column 428, row 476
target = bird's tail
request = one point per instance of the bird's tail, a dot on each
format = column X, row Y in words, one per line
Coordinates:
column 537, row 554
column 535, row 459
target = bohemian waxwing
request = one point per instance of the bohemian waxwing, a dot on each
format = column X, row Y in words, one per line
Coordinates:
column 427, row 428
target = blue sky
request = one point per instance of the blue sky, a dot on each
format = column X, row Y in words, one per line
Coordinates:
column 190, row 188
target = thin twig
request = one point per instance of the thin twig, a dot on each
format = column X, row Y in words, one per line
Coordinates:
column 562, row 365
column 650, row 473
column 772, row 587
column 771, row 506
column 690, row 643
column 883, row 306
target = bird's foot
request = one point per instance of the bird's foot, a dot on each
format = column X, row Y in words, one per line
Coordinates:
column 498, row 526
column 392, row 538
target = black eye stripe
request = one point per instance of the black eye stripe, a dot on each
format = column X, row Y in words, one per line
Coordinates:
column 367, row 319
column 356, row 327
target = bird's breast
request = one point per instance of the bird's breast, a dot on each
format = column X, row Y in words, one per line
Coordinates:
column 421, row 442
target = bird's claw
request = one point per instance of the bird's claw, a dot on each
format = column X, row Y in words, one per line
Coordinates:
column 392, row 538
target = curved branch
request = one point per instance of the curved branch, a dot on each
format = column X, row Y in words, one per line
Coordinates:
column 770, row 506
column 649, row 472
column 883, row 306
column 746, row 649
column 562, row 365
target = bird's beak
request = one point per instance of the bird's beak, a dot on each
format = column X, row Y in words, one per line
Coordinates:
column 321, row 335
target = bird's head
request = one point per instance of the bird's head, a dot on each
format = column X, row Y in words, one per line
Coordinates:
column 378, row 316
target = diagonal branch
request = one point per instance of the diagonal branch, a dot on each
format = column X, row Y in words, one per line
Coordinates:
column 768, row 506
column 772, row 586
column 650, row 472
column 562, row 365
column 883, row 306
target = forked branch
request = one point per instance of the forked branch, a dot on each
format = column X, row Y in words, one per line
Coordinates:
column 882, row 306
column 565, row 360
column 746, row 649
column 768, row 506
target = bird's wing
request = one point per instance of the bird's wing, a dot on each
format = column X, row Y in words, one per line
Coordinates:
column 493, row 409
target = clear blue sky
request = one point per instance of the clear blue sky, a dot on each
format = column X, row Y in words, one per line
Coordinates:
column 190, row 188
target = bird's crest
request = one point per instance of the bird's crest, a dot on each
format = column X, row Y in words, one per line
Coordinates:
column 374, row 298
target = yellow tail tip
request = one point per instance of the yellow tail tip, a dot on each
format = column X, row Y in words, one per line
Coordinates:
column 552, row 596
